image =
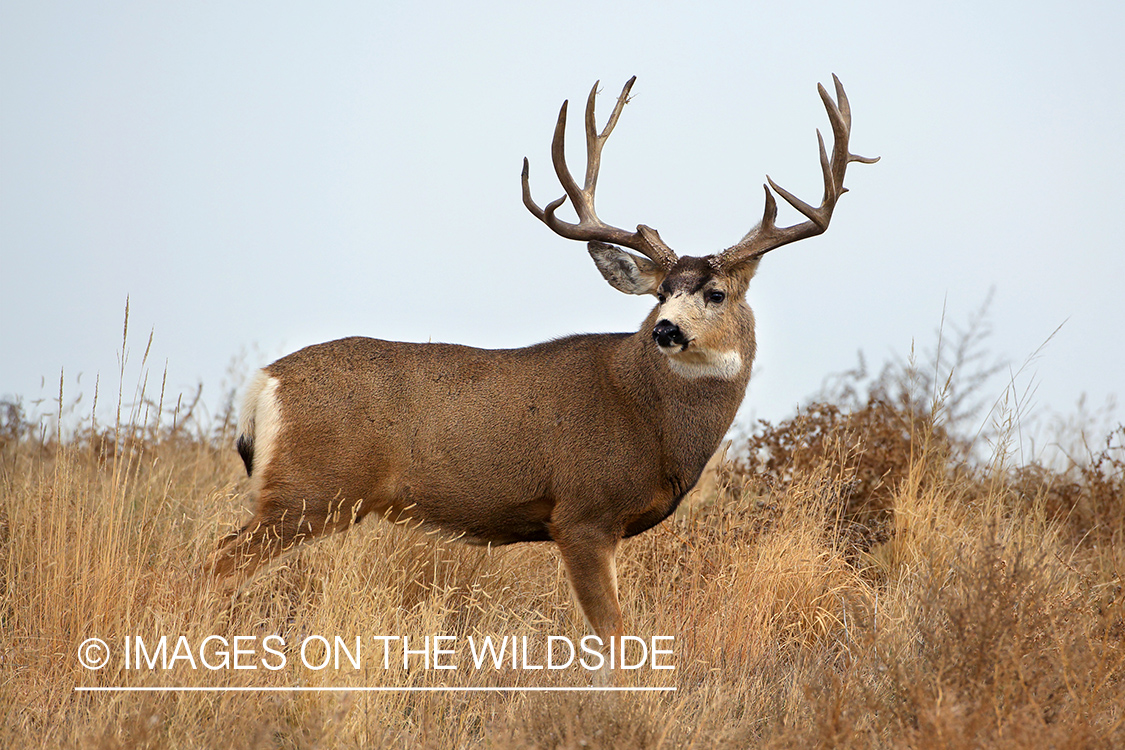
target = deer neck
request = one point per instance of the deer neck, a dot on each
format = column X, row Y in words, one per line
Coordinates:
column 690, row 411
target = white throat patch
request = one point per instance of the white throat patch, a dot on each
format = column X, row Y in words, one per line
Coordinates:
column 723, row 365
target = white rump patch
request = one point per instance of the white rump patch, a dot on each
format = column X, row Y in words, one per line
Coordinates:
column 261, row 421
column 723, row 365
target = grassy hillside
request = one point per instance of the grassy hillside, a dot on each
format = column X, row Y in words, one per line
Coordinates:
column 858, row 576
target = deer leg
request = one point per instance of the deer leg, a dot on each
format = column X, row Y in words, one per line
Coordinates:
column 588, row 555
column 277, row 527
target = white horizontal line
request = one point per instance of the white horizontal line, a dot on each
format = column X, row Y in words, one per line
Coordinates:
column 368, row 689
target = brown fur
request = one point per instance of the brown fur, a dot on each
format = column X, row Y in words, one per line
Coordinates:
column 582, row 441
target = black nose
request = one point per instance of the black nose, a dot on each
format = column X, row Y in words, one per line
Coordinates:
column 666, row 333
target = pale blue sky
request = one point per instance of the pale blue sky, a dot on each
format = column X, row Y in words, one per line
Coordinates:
column 262, row 176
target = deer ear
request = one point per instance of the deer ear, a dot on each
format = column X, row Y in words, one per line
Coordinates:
column 624, row 271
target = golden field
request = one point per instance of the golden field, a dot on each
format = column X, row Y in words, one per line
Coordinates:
column 862, row 575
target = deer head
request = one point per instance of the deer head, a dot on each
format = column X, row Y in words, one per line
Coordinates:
column 697, row 297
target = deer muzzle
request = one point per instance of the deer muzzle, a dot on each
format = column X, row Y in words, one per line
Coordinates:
column 667, row 334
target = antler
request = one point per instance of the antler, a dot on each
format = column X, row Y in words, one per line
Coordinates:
column 589, row 227
column 766, row 235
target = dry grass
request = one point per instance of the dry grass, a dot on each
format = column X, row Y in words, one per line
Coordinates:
column 858, row 581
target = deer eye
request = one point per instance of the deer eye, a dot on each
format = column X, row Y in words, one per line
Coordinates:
column 661, row 298
column 716, row 296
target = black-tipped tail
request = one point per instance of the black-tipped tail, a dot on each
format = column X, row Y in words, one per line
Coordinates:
column 245, row 447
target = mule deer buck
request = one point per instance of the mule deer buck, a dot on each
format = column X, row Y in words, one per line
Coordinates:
column 581, row 441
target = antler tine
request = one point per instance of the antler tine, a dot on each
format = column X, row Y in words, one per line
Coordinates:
column 589, row 227
column 558, row 159
column 594, row 142
column 842, row 104
column 767, row 235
